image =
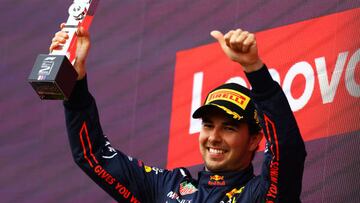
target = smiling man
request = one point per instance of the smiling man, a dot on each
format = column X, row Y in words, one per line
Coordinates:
column 230, row 132
column 232, row 121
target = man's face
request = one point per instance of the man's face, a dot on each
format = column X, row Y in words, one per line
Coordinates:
column 224, row 144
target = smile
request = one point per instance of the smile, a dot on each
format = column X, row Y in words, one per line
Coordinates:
column 216, row 151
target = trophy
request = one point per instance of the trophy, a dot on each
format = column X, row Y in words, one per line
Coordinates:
column 53, row 75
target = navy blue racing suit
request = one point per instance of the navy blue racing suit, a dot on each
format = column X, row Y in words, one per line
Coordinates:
column 128, row 179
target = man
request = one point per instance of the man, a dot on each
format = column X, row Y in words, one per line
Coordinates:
column 231, row 119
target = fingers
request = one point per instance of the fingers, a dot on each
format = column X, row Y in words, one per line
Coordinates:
column 61, row 37
column 248, row 42
column 62, row 25
column 58, row 40
column 239, row 40
column 227, row 38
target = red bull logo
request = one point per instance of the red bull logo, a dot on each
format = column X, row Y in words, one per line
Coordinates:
column 216, row 180
column 216, row 177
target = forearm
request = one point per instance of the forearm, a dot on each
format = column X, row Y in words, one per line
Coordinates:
column 88, row 144
column 284, row 162
column 83, row 126
column 272, row 101
column 124, row 178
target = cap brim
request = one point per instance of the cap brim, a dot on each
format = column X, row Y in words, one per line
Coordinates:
column 200, row 112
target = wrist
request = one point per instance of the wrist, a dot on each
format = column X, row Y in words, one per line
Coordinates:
column 81, row 75
column 80, row 69
column 257, row 65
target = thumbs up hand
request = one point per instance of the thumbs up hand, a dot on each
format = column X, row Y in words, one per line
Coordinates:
column 240, row 46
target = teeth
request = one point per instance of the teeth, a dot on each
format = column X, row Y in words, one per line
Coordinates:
column 216, row 151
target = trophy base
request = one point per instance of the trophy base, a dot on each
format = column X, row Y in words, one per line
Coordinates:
column 53, row 77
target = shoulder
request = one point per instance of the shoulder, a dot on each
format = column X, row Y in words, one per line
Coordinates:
column 256, row 188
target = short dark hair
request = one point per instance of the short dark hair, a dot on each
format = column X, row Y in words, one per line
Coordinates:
column 254, row 128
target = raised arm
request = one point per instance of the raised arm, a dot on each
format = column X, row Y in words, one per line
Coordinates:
column 285, row 151
column 126, row 179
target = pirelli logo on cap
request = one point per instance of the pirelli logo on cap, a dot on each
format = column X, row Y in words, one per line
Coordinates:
column 235, row 97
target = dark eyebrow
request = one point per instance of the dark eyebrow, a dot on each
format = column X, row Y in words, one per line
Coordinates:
column 231, row 123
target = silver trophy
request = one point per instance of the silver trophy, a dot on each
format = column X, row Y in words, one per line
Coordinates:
column 53, row 75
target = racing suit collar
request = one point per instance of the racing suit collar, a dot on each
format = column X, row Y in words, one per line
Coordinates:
column 219, row 179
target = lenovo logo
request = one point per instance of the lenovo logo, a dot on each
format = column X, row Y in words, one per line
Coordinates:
column 328, row 82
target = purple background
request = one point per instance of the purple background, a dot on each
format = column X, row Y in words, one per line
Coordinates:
column 131, row 66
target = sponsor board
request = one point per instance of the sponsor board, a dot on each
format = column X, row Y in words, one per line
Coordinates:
column 315, row 62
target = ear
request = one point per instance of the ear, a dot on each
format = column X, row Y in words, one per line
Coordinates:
column 255, row 141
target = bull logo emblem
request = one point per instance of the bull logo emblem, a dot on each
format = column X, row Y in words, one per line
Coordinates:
column 216, row 178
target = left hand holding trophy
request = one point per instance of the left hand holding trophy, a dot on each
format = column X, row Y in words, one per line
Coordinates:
column 53, row 75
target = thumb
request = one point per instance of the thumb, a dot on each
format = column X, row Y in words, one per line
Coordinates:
column 219, row 37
